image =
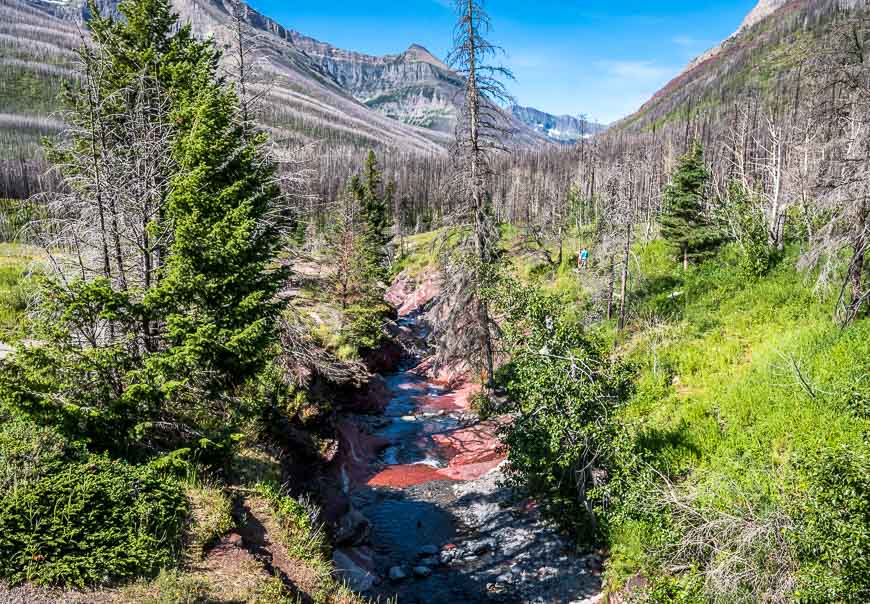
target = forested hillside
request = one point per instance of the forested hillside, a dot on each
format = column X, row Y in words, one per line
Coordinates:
column 262, row 343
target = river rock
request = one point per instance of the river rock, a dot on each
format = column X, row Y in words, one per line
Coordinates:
column 357, row 577
column 422, row 571
column 429, row 550
column 397, row 573
column 430, row 561
column 447, row 556
column 353, row 529
column 478, row 548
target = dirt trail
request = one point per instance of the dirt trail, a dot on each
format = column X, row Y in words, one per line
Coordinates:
column 442, row 528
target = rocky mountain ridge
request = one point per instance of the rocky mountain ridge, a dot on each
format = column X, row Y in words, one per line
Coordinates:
column 413, row 87
column 559, row 128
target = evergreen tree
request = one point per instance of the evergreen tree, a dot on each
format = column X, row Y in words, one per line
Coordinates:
column 160, row 355
column 220, row 286
column 362, row 238
column 684, row 224
column 375, row 201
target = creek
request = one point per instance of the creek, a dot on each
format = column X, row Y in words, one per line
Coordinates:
column 442, row 527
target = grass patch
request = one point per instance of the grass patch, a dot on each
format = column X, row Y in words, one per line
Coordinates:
column 304, row 539
column 18, row 265
column 211, row 517
column 739, row 383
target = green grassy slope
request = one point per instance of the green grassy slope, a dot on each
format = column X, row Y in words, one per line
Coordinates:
column 740, row 466
column 748, row 397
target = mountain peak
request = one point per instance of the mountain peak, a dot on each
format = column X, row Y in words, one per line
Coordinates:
column 421, row 54
column 762, row 10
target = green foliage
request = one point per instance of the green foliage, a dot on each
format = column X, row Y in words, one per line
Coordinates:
column 744, row 217
column 305, row 541
column 484, row 405
column 366, row 328
column 219, row 289
column 363, row 240
column 832, row 536
column 375, row 202
column 749, row 398
column 29, row 452
column 174, row 587
column 561, row 386
column 16, row 289
column 684, row 224
column 77, row 390
column 665, row 589
column 165, row 364
column 90, row 523
column 211, row 518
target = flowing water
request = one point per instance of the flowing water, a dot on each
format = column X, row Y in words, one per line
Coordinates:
column 439, row 514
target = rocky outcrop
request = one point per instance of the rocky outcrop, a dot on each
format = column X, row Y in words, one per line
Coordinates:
column 413, row 87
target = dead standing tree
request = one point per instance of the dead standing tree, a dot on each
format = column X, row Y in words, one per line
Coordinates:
column 245, row 57
column 466, row 329
column 618, row 223
column 842, row 73
column 108, row 221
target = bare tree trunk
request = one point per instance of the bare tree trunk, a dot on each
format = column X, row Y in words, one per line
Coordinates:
column 473, row 100
column 96, row 125
column 624, row 284
column 610, row 285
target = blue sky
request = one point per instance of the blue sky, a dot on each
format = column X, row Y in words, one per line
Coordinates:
column 599, row 57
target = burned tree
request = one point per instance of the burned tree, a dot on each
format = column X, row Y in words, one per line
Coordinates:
column 842, row 76
column 466, row 327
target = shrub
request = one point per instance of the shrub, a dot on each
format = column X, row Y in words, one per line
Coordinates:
column 29, row 452
column 173, row 587
column 832, row 539
column 92, row 523
column 366, row 329
column 561, row 386
column 211, row 518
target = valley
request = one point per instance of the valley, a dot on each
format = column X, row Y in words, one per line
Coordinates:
column 285, row 322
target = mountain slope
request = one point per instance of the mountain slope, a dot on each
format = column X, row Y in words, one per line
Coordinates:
column 413, row 87
column 304, row 104
column 761, row 59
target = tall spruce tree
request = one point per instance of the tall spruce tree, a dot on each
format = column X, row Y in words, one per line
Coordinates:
column 684, row 224
column 369, row 265
column 220, row 285
column 156, row 358
column 375, row 201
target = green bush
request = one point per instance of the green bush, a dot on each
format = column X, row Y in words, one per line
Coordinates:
column 29, row 452
column 561, row 387
column 366, row 329
column 91, row 523
column 832, row 538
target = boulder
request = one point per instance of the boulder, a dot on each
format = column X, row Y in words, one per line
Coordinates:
column 352, row 529
column 422, row 571
column 397, row 573
column 429, row 550
column 358, row 578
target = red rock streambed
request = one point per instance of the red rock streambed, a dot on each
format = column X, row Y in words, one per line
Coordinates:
column 429, row 521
